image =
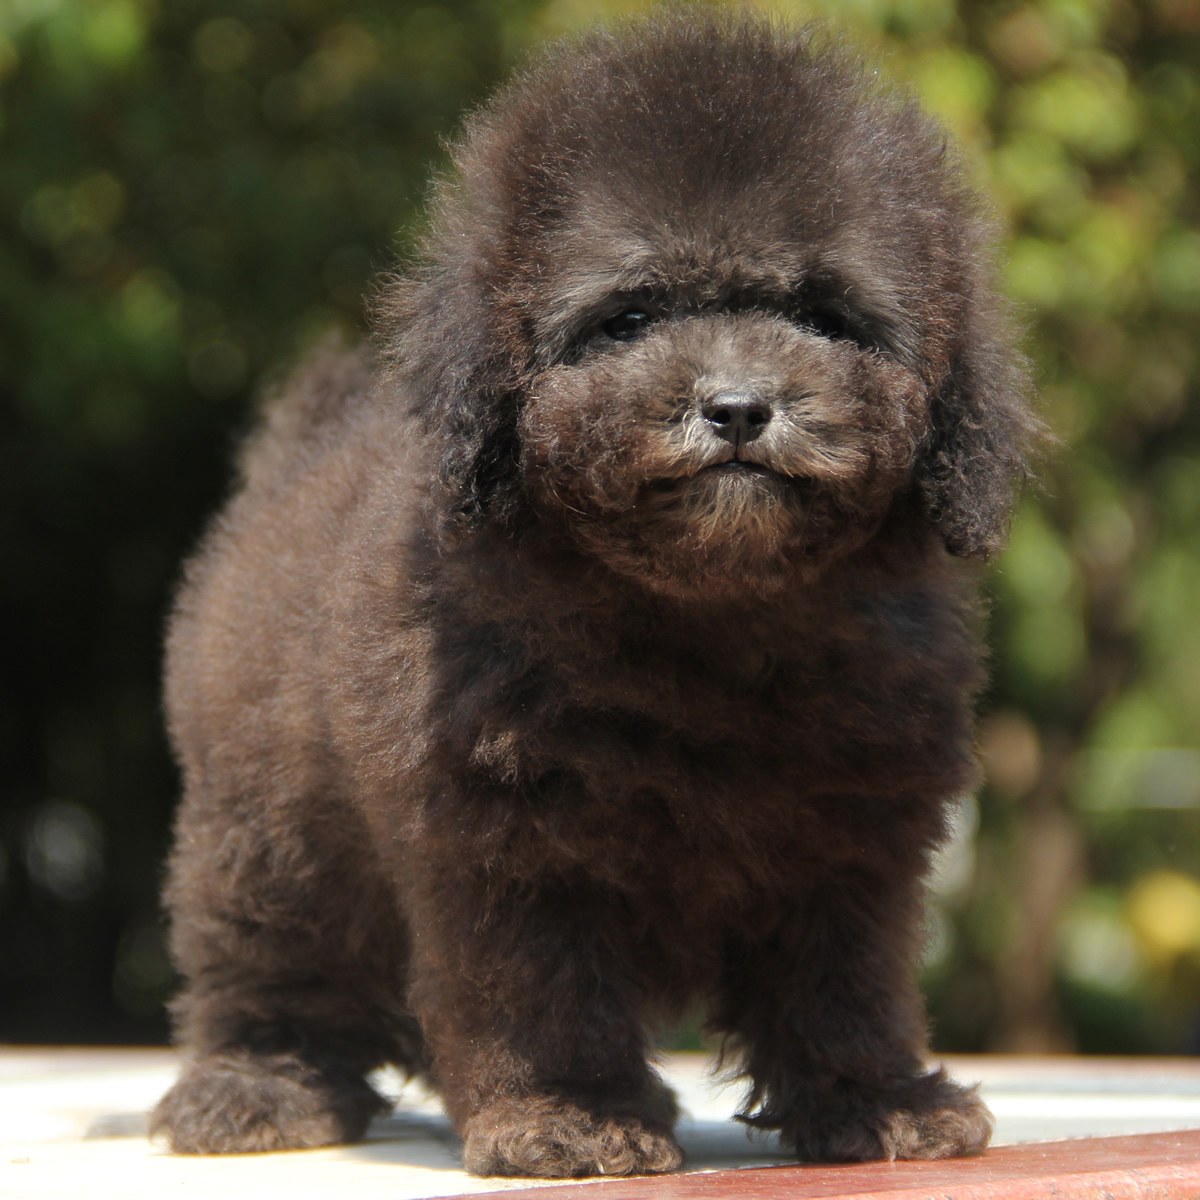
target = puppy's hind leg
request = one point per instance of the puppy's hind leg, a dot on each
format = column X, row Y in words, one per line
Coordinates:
column 291, row 980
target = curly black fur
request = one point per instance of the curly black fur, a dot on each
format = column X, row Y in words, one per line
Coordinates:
column 607, row 645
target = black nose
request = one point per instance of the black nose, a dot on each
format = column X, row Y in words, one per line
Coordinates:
column 738, row 417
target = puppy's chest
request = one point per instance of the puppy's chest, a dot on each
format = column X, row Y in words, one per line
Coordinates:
column 664, row 747
column 684, row 750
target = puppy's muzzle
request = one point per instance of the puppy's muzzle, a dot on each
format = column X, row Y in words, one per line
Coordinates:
column 736, row 417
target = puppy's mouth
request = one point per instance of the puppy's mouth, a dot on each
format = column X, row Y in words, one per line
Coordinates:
column 730, row 468
column 739, row 466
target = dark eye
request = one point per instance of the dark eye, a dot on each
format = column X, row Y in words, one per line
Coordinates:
column 824, row 323
column 626, row 326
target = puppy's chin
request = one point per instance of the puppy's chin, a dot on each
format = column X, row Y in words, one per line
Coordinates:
column 725, row 533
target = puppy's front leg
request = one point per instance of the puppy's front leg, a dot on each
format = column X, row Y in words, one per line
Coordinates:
column 534, row 1031
column 831, row 1027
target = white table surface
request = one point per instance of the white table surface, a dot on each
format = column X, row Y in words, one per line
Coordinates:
column 72, row 1124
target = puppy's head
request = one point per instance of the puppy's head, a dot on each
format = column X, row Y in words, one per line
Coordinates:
column 710, row 299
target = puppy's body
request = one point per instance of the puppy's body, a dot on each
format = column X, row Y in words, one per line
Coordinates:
column 600, row 653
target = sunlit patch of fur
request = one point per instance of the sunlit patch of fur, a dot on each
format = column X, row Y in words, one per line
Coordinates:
column 804, row 441
column 742, row 507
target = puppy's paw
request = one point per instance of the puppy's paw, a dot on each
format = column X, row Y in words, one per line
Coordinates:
column 929, row 1116
column 949, row 1121
column 552, row 1138
column 240, row 1105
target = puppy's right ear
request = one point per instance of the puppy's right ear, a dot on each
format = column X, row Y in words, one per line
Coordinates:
column 444, row 356
column 982, row 436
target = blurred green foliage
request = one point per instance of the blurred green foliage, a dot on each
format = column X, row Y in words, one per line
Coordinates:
column 192, row 192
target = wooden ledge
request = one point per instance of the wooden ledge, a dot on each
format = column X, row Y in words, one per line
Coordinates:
column 1149, row 1166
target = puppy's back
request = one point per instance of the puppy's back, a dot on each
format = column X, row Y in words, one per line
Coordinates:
column 246, row 634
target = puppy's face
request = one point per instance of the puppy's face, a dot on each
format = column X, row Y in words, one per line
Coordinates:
column 715, row 423
column 721, row 436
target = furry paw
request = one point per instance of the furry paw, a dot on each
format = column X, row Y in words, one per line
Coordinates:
column 954, row 1123
column 552, row 1138
column 233, row 1105
column 925, row 1117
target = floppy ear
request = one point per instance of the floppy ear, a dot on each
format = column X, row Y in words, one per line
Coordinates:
column 982, row 432
column 446, row 358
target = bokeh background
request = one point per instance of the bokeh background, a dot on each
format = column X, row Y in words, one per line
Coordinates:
column 192, row 191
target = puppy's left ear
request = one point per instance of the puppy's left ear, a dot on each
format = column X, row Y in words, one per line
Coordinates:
column 982, row 435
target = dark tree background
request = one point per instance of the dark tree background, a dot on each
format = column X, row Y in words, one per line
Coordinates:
column 192, row 192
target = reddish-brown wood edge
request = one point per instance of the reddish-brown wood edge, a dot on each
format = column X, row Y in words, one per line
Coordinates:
column 1148, row 1166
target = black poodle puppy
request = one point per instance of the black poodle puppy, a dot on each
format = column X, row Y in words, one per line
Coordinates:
column 606, row 641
